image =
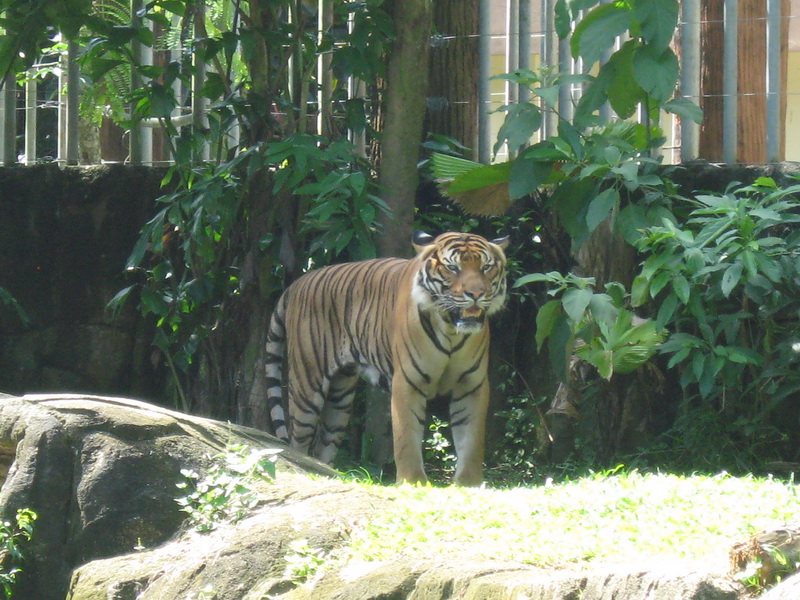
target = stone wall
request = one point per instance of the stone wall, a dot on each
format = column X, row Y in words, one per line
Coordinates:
column 65, row 235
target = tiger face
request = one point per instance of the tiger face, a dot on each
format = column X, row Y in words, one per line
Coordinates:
column 462, row 278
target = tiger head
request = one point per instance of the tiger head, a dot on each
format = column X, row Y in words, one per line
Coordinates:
column 462, row 277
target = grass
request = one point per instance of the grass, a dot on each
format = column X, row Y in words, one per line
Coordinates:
column 606, row 517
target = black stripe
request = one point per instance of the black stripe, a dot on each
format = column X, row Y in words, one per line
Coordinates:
column 414, row 363
column 427, row 326
column 472, row 391
column 411, row 383
column 460, row 344
column 474, row 367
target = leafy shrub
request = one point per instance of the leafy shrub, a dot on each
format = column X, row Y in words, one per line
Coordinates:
column 225, row 492
column 12, row 537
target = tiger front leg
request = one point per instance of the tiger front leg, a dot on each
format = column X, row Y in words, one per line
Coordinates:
column 408, row 428
column 468, row 425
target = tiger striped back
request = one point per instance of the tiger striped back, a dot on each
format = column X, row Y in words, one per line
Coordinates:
column 417, row 326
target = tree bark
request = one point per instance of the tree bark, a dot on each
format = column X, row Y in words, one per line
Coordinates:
column 453, row 73
column 402, row 132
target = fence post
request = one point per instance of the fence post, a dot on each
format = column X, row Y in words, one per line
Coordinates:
column 484, row 89
column 690, row 75
column 135, row 136
column 9, row 97
column 730, row 83
column 525, row 46
column 324, row 75
column 73, row 103
column 774, row 134
column 549, row 58
column 31, row 101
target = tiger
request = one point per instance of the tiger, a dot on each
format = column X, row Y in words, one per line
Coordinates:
column 417, row 327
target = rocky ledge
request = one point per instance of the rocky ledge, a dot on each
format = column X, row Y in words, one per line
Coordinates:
column 101, row 474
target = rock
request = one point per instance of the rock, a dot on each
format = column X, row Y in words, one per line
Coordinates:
column 786, row 590
column 501, row 581
column 101, row 474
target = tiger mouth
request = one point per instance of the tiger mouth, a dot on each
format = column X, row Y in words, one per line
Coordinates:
column 469, row 318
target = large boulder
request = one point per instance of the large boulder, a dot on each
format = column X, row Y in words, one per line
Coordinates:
column 101, row 475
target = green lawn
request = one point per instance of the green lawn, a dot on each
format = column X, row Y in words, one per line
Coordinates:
column 605, row 517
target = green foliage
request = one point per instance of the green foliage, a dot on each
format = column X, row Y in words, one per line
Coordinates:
column 225, row 492
column 304, row 562
column 12, row 537
column 595, row 326
column 189, row 253
column 520, row 422
column 437, row 450
column 726, row 284
column 256, row 213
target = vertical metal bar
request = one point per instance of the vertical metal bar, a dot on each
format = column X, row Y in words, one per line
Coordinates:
column 31, row 102
column 324, row 75
column 175, row 55
column 512, row 56
column 730, row 82
column 512, row 48
column 10, row 121
column 357, row 88
column 199, row 104
column 690, row 75
column 61, row 156
column 524, row 45
column 773, row 132
column 565, row 65
column 147, row 131
column 484, row 89
column 135, row 134
column 73, row 103
column 605, row 111
column 549, row 55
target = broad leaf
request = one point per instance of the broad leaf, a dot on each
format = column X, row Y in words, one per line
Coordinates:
column 570, row 201
column 598, row 30
column 601, row 207
column 624, row 93
column 545, row 321
column 656, row 73
column 563, row 19
column 603, row 309
column 731, row 278
column 527, row 174
column 685, row 109
column 657, row 20
column 575, row 302
column 521, row 121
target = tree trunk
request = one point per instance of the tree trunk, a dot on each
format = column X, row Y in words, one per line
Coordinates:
column 402, row 132
column 453, row 73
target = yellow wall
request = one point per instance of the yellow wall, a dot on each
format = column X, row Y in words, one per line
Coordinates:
column 792, row 125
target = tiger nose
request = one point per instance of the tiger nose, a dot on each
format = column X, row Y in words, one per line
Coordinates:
column 474, row 295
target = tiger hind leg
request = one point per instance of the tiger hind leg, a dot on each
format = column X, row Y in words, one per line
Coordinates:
column 305, row 412
column 335, row 415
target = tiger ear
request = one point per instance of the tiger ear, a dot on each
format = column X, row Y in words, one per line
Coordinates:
column 420, row 239
column 502, row 242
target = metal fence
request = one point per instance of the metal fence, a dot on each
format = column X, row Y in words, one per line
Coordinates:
column 37, row 126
